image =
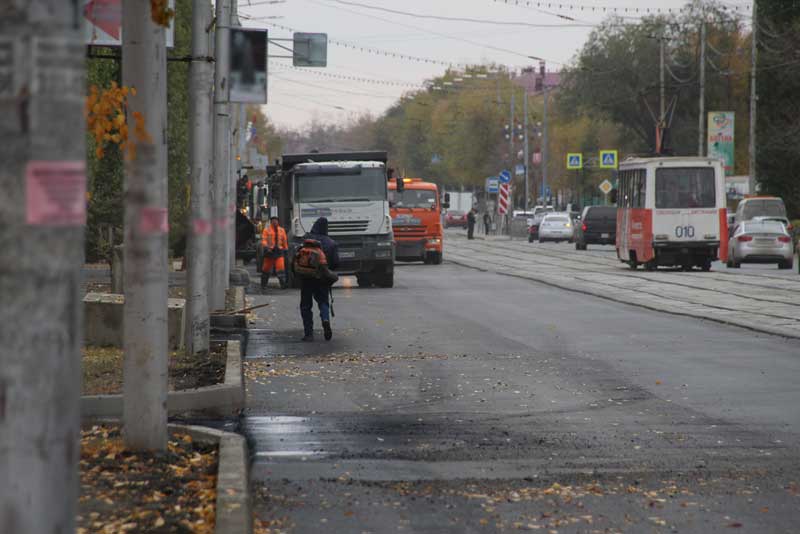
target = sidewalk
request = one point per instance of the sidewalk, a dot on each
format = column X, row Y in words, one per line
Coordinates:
column 762, row 303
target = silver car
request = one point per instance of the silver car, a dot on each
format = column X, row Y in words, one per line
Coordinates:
column 556, row 227
column 761, row 242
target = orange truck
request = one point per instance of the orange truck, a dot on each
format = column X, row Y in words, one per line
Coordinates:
column 416, row 213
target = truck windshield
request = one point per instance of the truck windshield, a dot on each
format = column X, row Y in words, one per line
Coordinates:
column 678, row 188
column 413, row 198
column 370, row 184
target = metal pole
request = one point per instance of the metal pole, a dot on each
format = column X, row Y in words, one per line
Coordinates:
column 198, row 253
column 511, row 160
column 753, row 100
column 219, row 194
column 41, row 309
column 526, row 154
column 662, row 99
column 144, row 391
column 701, row 120
column 545, row 151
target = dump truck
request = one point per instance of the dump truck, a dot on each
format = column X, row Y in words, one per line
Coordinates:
column 350, row 189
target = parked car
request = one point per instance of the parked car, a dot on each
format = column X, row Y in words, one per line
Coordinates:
column 556, row 227
column 455, row 218
column 761, row 242
column 598, row 226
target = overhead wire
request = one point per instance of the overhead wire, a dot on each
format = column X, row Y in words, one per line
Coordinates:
column 443, row 35
column 459, row 19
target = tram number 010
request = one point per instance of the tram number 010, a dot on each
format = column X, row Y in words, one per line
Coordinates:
column 684, row 231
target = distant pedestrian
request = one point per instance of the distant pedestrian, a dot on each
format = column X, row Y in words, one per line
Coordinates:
column 471, row 224
column 313, row 264
column 274, row 245
column 487, row 222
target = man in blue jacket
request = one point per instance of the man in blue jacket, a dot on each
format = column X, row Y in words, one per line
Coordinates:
column 318, row 290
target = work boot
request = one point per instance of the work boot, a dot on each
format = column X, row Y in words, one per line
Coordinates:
column 326, row 327
column 307, row 338
column 282, row 281
column 264, row 282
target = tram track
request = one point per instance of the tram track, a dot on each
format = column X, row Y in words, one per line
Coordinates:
column 766, row 307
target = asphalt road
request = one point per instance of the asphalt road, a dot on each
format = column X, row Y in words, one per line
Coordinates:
column 467, row 401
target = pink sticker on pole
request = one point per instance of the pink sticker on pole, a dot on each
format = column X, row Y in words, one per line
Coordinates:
column 55, row 193
column 202, row 227
column 153, row 221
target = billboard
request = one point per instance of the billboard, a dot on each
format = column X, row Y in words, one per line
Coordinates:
column 721, row 138
column 248, row 61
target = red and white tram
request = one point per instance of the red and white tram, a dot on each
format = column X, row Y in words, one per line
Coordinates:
column 672, row 212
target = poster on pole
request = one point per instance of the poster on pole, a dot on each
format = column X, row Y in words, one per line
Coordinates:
column 721, row 143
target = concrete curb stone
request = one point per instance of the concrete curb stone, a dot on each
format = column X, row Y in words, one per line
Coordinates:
column 220, row 399
column 234, row 507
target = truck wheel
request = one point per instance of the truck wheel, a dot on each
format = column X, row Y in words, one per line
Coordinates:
column 437, row 258
column 385, row 280
column 364, row 279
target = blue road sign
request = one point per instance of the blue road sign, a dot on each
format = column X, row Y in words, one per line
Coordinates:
column 574, row 161
column 492, row 185
column 505, row 177
column 608, row 159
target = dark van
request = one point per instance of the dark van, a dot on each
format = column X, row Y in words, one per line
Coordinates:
column 598, row 227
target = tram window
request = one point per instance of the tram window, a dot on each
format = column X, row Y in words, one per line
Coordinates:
column 687, row 187
column 639, row 184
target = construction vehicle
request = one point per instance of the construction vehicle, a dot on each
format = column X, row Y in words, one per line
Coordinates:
column 350, row 190
column 417, row 220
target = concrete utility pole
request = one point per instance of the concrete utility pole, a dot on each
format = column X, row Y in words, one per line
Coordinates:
column 753, row 99
column 220, row 263
column 701, row 121
column 526, row 155
column 144, row 67
column 42, row 219
column 198, row 251
column 233, row 164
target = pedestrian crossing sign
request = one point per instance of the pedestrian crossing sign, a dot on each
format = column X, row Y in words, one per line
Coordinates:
column 574, row 161
column 609, row 159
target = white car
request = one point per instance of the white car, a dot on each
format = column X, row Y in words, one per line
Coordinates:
column 556, row 227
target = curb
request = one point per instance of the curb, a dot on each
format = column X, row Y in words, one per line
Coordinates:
column 599, row 294
column 220, row 399
column 234, row 510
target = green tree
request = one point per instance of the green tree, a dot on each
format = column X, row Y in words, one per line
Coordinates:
column 778, row 83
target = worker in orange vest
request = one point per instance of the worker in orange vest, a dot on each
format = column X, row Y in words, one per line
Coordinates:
column 275, row 244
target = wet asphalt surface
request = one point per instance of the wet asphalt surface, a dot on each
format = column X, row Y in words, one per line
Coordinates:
column 464, row 401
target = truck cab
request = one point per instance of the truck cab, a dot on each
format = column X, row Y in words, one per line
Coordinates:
column 417, row 220
column 350, row 190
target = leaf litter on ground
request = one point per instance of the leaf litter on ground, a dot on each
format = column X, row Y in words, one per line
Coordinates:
column 137, row 492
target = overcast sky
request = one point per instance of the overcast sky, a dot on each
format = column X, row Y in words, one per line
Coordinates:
column 296, row 97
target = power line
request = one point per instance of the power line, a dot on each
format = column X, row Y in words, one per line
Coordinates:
column 443, row 35
column 587, row 8
column 461, row 19
column 371, row 50
column 347, row 77
column 334, row 89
